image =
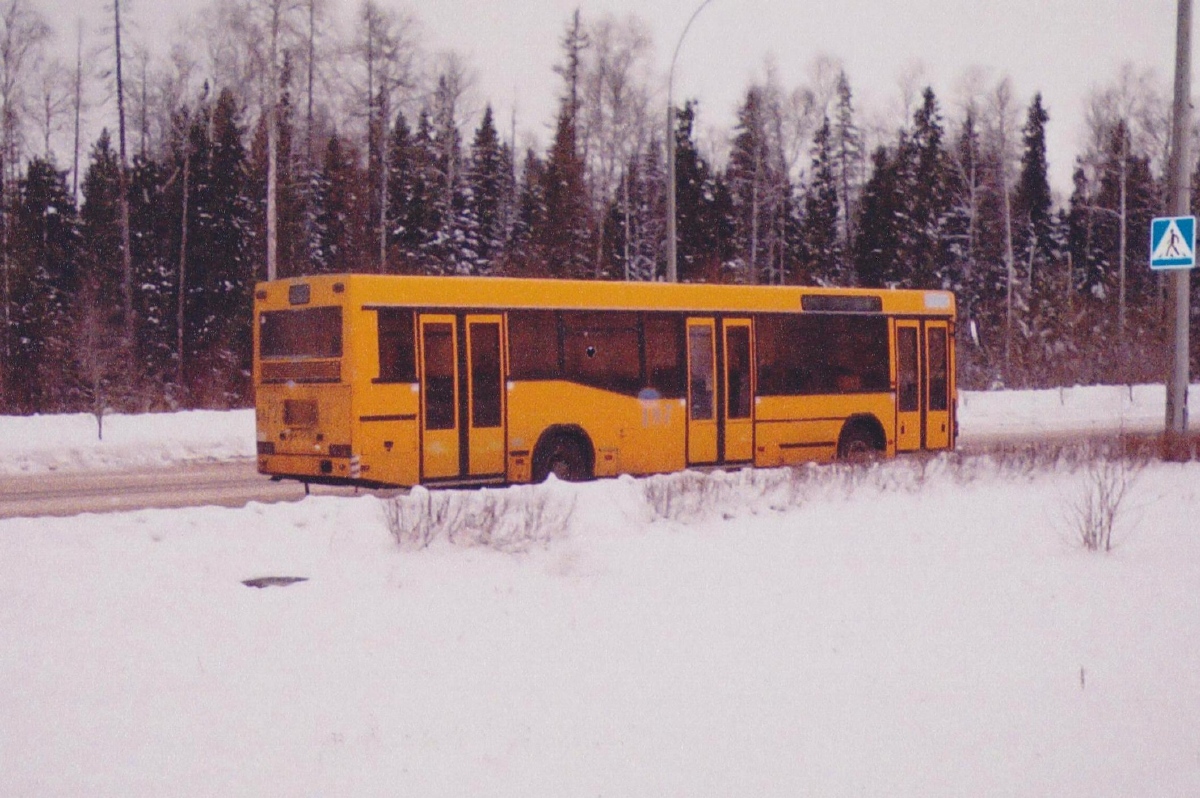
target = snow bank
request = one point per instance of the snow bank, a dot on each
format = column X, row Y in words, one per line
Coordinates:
column 913, row 629
column 1137, row 408
column 38, row 444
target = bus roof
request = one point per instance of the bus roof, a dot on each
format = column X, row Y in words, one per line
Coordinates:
column 530, row 293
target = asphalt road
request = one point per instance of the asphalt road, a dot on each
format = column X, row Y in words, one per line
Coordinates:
column 231, row 483
column 237, row 482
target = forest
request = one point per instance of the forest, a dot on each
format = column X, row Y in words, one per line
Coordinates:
column 270, row 141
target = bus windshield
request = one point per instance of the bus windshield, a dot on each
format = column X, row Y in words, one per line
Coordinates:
column 306, row 333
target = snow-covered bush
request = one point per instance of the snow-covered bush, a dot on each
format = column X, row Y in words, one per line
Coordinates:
column 510, row 519
column 1105, row 483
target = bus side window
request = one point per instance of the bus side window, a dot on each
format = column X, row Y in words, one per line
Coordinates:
column 533, row 345
column 397, row 348
column 664, row 354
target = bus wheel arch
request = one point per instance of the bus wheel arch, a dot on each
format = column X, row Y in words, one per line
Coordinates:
column 862, row 438
column 566, row 451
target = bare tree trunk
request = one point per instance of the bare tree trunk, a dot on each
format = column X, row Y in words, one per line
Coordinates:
column 312, row 55
column 754, row 202
column 273, row 142
column 1123, row 223
column 78, row 110
column 383, row 173
column 1010, row 268
column 126, row 251
column 183, row 244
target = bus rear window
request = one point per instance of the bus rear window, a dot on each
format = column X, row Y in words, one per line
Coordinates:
column 307, row 333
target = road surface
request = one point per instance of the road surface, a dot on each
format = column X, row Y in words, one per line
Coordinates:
column 229, row 483
column 234, row 483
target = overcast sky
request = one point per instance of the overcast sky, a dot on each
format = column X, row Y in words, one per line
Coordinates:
column 1063, row 48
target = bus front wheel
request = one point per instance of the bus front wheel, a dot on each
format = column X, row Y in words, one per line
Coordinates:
column 562, row 456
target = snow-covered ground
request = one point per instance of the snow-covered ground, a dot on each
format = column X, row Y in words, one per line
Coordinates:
column 919, row 627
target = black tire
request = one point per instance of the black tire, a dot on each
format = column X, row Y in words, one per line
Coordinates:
column 562, row 456
column 857, row 444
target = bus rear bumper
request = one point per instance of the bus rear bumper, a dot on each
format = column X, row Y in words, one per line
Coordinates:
column 308, row 467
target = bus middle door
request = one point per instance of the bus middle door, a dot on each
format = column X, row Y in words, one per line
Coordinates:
column 702, row 391
column 439, row 397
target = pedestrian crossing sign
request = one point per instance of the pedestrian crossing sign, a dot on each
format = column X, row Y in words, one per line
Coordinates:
column 1173, row 242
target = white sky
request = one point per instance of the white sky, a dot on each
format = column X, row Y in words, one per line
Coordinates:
column 1063, row 48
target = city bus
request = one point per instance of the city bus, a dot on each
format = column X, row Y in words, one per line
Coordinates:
column 403, row 380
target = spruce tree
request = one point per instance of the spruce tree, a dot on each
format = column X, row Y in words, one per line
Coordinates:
column 489, row 180
column 563, row 238
column 928, row 198
column 848, row 157
column 820, row 239
column 525, row 253
column 44, row 282
column 1032, row 204
column 877, row 245
column 702, row 223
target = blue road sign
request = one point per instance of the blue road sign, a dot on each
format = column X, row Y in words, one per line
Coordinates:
column 1173, row 242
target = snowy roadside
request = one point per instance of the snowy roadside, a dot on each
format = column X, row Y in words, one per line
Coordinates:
column 32, row 445
column 923, row 627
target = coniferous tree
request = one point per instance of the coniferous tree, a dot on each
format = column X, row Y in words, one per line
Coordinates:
column 564, row 236
column 525, row 253
column 44, row 282
column 820, row 239
column 847, row 156
column 222, row 268
column 100, row 362
column 1032, row 204
column 338, row 212
column 701, row 206
column 928, row 198
column 877, row 247
column 489, row 181
column 403, row 182
column 753, row 183
column 154, row 208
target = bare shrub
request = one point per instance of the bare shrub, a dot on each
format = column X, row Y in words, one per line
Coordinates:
column 1106, row 482
column 513, row 519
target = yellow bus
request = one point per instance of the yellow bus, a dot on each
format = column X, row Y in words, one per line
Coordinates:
column 395, row 380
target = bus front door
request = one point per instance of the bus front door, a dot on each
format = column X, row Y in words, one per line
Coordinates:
column 937, row 384
column 923, row 386
column 439, row 397
column 702, row 391
column 485, row 397
column 908, row 386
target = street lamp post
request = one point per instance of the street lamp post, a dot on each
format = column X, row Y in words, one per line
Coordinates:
column 672, row 253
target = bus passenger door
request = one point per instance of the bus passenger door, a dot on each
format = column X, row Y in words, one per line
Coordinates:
column 702, row 391
column 937, row 385
column 739, row 392
column 908, row 386
column 439, row 397
column 485, row 396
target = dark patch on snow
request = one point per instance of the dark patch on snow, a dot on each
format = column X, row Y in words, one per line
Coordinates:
column 273, row 581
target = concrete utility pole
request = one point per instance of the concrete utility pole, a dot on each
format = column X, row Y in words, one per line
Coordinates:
column 672, row 254
column 1175, row 446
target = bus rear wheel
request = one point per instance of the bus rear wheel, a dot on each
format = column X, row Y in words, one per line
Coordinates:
column 563, row 457
column 857, row 444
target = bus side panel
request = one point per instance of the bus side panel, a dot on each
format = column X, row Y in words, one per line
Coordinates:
column 798, row 429
column 630, row 436
column 387, row 436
